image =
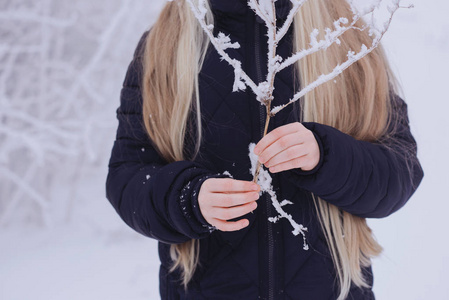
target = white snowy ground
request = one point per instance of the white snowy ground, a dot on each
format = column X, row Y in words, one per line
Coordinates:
column 95, row 256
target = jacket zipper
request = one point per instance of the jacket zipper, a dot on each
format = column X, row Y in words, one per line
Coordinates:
column 262, row 119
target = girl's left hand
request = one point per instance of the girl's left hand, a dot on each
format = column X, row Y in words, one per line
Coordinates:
column 288, row 147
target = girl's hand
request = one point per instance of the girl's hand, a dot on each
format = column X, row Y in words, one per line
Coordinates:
column 288, row 147
column 223, row 199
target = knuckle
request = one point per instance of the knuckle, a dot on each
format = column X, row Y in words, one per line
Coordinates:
column 267, row 159
column 229, row 201
column 228, row 185
column 291, row 153
column 283, row 142
column 277, row 133
column 226, row 201
column 271, row 162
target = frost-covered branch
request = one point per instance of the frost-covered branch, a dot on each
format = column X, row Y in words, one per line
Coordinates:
column 265, row 182
column 266, row 11
column 296, row 6
column 330, row 38
column 352, row 57
column 254, row 5
column 221, row 43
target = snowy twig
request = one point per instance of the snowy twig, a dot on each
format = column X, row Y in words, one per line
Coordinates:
column 297, row 4
column 266, row 11
column 332, row 37
column 220, row 44
column 265, row 182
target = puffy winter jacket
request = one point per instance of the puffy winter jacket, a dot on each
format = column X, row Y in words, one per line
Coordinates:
column 264, row 260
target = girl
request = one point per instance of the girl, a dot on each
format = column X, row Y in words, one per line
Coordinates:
column 343, row 154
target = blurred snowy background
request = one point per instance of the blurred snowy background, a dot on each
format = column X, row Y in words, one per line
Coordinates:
column 62, row 64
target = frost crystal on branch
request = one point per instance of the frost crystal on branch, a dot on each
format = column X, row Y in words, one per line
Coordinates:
column 241, row 78
column 264, row 180
column 224, row 42
column 266, row 10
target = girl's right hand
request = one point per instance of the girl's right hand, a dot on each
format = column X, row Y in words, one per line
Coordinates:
column 223, row 199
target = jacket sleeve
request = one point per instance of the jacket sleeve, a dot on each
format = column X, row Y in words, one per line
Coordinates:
column 155, row 198
column 370, row 180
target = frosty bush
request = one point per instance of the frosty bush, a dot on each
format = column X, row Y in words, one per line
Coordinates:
column 61, row 68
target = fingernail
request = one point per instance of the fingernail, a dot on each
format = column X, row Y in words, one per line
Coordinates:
column 245, row 223
column 256, row 151
column 255, row 187
column 254, row 205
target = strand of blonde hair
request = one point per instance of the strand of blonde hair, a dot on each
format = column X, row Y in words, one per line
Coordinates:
column 174, row 53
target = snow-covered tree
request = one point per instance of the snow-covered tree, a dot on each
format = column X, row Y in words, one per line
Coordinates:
column 61, row 68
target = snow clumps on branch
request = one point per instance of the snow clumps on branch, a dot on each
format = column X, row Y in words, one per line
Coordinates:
column 266, row 11
column 265, row 180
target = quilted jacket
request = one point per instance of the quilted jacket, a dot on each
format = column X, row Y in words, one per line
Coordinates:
column 264, row 260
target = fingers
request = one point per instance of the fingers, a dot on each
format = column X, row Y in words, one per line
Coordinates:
column 288, row 165
column 229, row 213
column 230, row 226
column 223, row 214
column 223, row 199
column 228, row 185
column 288, row 147
column 287, row 155
column 230, row 200
column 276, row 134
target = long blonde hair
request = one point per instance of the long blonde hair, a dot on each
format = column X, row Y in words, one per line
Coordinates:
column 357, row 104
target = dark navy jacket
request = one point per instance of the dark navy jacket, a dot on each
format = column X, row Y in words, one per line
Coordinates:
column 264, row 260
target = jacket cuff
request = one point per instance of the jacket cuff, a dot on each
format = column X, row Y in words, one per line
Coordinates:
column 191, row 209
column 335, row 161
